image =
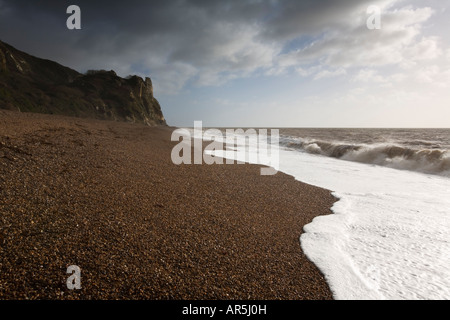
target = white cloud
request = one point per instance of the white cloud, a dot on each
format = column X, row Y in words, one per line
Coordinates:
column 305, row 72
column 360, row 46
column 368, row 75
column 330, row 74
column 172, row 78
column 433, row 75
column 353, row 45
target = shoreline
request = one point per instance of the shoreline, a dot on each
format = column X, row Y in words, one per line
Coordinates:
column 105, row 196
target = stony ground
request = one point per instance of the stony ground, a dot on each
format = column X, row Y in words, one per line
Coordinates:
column 106, row 197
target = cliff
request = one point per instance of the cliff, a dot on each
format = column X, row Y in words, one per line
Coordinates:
column 30, row 84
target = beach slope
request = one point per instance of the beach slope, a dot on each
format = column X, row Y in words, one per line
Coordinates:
column 105, row 196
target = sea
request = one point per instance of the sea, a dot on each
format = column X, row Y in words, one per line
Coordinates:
column 389, row 234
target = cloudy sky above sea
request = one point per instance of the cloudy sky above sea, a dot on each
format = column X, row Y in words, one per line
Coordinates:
column 257, row 63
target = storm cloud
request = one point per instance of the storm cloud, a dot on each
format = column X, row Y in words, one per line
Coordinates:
column 204, row 42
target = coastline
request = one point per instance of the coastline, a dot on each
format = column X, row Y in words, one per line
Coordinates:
column 106, row 197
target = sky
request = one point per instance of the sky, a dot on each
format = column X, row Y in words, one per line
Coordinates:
column 258, row 63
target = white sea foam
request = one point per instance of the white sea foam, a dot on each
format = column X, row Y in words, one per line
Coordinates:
column 389, row 236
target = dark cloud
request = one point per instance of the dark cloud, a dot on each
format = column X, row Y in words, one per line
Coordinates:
column 296, row 18
column 207, row 36
column 128, row 21
column 177, row 41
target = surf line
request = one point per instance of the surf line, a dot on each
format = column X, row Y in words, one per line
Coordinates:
column 251, row 145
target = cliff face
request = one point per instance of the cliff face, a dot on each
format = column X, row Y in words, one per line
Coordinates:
column 30, row 84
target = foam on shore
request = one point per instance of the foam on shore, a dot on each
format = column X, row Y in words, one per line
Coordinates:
column 389, row 236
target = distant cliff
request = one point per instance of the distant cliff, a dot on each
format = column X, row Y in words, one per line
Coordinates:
column 30, row 84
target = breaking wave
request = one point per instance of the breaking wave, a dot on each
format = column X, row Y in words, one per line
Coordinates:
column 417, row 156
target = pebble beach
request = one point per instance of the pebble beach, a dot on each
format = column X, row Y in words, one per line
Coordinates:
column 106, row 197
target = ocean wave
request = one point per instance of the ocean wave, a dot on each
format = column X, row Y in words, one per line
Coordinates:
column 425, row 158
